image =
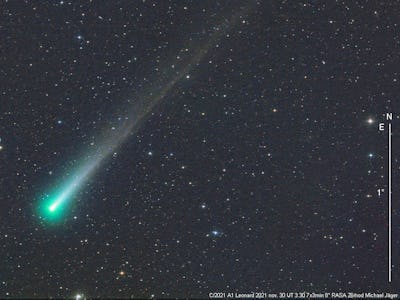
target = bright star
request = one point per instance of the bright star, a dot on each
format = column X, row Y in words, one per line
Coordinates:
column 215, row 233
column 370, row 121
column 78, row 297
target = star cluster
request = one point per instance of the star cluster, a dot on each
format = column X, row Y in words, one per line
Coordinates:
column 258, row 169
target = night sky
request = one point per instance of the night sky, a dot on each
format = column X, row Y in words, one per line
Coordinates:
column 230, row 146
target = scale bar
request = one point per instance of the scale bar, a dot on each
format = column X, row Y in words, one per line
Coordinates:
column 390, row 202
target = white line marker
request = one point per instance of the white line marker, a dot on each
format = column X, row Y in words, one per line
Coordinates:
column 390, row 202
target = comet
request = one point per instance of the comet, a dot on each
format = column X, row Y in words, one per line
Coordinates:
column 53, row 205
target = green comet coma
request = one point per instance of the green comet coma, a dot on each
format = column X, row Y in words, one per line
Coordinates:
column 53, row 206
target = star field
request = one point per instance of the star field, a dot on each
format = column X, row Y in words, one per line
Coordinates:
column 252, row 162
